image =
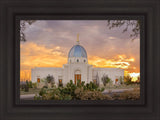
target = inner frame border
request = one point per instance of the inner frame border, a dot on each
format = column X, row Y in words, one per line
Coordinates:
column 143, row 61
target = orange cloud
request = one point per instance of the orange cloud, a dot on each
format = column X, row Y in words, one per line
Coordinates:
column 34, row 55
column 120, row 61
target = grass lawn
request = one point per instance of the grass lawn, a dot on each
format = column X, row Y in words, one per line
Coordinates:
column 31, row 91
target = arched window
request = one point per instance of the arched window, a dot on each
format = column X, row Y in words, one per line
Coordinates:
column 70, row 61
column 84, row 60
column 77, row 60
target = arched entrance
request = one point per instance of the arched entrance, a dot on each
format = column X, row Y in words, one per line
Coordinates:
column 77, row 76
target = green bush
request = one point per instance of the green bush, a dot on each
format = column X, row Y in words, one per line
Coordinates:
column 60, row 85
column 69, row 89
column 67, row 97
column 29, row 84
column 128, row 80
column 83, row 91
column 42, row 91
column 34, row 85
column 70, row 92
column 36, row 97
column 45, row 86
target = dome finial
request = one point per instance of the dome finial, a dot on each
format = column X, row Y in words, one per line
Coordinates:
column 78, row 38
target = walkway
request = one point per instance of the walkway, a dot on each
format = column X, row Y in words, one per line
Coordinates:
column 115, row 90
column 27, row 97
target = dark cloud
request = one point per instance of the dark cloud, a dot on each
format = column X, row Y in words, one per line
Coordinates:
column 95, row 36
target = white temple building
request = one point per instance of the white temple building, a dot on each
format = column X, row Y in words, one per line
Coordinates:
column 77, row 68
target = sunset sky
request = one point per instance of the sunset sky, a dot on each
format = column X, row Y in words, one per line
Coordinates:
column 49, row 41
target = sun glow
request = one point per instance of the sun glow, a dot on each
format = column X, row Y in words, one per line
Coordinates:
column 135, row 76
column 119, row 61
column 41, row 56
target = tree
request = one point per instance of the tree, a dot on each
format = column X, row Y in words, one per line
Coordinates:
column 30, row 84
column 128, row 80
column 23, row 27
column 105, row 79
column 27, row 83
column 26, row 88
column 135, row 24
column 121, row 80
column 50, row 79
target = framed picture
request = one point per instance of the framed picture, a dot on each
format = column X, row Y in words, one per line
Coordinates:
column 79, row 60
column 93, row 67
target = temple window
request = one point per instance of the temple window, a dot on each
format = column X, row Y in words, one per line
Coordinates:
column 38, row 80
column 60, row 83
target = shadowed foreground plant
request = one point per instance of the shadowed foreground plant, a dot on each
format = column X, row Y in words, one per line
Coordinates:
column 90, row 95
column 128, row 95
column 72, row 92
column 85, row 92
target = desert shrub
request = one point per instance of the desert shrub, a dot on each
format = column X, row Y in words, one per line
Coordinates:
column 55, row 94
column 36, row 97
column 82, row 94
column 27, row 83
column 60, row 93
column 67, row 97
column 94, row 95
column 133, row 95
column 30, row 84
column 34, row 85
column 45, row 86
column 69, row 89
column 91, row 86
column 51, row 94
column 42, row 91
column 53, row 85
column 22, row 86
column 60, row 85
column 82, row 91
column 72, row 91
column 128, row 95
column 26, row 88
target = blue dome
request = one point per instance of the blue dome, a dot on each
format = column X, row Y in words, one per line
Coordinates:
column 77, row 51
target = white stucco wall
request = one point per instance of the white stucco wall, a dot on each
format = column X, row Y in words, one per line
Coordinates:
column 113, row 73
column 43, row 72
column 67, row 72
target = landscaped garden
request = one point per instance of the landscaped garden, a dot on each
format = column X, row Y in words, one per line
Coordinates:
column 30, row 91
column 81, row 91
